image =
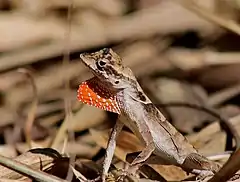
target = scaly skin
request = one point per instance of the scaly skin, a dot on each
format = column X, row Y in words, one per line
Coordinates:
column 139, row 114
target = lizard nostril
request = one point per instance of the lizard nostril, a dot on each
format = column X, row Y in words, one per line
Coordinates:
column 105, row 50
column 82, row 55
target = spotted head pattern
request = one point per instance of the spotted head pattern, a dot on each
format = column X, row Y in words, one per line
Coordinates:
column 91, row 93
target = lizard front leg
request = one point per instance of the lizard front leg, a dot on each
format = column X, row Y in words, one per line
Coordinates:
column 111, row 148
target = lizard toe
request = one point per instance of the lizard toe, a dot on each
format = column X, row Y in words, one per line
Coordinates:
column 130, row 171
column 204, row 174
column 123, row 174
column 235, row 177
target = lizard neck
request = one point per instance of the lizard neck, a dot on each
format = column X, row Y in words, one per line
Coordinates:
column 131, row 94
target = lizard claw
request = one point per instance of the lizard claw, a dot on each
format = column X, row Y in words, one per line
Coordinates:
column 123, row 174
column 103, row 177
column 94, row 180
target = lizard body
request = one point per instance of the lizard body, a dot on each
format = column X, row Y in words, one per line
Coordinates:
column 141, row 116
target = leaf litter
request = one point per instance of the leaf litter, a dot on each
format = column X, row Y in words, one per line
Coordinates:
column 178, row 53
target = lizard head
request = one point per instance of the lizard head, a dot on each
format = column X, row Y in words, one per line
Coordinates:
column 107, row 66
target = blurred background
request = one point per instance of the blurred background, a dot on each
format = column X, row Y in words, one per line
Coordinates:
column 182, row 51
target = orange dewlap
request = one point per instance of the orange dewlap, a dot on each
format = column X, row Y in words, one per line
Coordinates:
column 89, row 92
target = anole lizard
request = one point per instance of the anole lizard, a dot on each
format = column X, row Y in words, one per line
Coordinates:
column 115, row 88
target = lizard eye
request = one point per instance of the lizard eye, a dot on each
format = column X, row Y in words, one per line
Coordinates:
column 100, row 64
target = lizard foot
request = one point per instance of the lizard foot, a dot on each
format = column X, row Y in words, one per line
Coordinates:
column 130, row 171
column 123, row 174
column 235, row 177
column 99, row 178
column 94, row 180
column 202, row 174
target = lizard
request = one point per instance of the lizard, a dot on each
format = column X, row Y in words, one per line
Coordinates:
column 114, row 88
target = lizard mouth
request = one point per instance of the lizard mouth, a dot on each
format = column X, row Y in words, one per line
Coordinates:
column 89, row 61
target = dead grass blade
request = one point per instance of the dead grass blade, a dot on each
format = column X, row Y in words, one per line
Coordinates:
column 61, row 133
column 22, row 165
column 33, row 108
column 206, row 14
column 67, row 102
column 229, row 168
column 224, row 95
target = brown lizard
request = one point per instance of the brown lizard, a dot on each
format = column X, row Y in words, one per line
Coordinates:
column 115, row 88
